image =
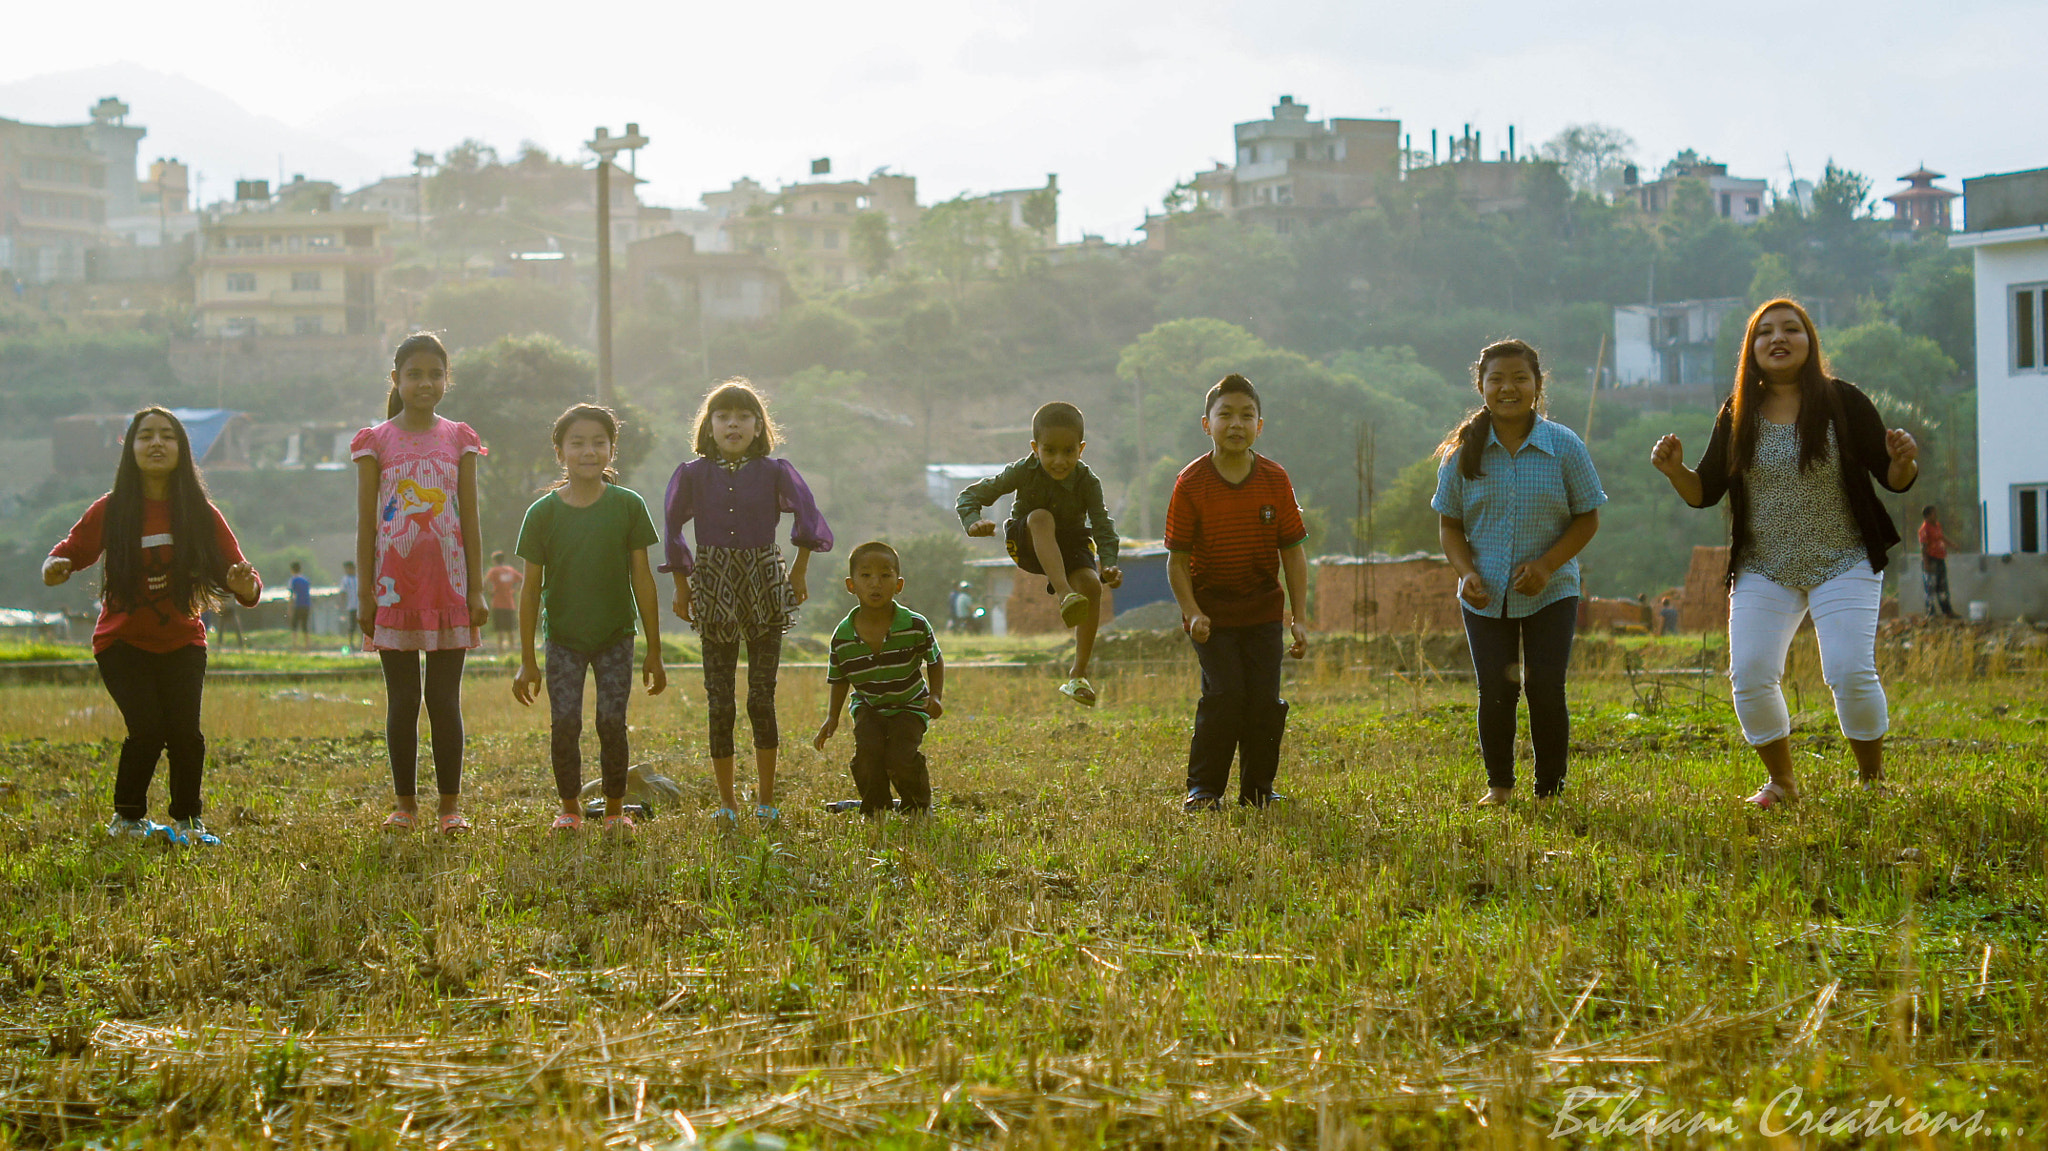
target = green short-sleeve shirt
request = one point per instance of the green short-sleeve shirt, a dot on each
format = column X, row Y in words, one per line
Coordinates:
column 587, row 559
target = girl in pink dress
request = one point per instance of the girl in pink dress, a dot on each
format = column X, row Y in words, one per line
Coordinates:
column 418, row 550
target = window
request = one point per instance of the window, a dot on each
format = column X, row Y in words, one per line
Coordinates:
column 1750, row 204
column 1301, row 151
column 839, row 207
column 241, row 281
column 238, row 326
column 831, row 237
column 306, row 325
column 305, row 281
column 294, row 242
column 2029, row 314
column 248, row 242
column 1726, row 201
column 2028, row 506
column 804, row 237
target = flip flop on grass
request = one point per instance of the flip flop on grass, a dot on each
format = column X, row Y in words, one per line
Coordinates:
column 1080, row 691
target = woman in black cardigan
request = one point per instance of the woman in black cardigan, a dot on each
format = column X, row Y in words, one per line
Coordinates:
column 1795, row 451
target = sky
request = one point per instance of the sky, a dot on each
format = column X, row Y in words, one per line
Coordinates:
column 1121, row 98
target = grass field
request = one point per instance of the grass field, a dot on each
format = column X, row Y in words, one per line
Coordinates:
column 1056, row 956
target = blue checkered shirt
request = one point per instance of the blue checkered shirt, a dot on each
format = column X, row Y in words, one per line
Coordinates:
column 1517, row 508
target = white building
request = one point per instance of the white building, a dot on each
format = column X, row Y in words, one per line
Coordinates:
column 2006, row 229
column 1732, row 197
column 1671, row 344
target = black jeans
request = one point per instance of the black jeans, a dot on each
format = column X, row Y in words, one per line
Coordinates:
column 159, row 696
column 443, row 691
column 886, row 750
column 1241, row 712
column 1540, row 644
column 1934, row 584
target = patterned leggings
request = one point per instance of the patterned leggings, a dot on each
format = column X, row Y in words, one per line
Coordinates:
column 613, row 667
column 721, row 673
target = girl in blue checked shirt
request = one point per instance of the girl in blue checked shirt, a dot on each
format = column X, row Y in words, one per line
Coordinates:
column 1515, row 500
column 735, row 589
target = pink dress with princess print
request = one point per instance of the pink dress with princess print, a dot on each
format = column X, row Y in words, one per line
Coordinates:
column 421, row 580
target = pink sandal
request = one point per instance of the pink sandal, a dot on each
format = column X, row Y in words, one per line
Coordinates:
column 453, row 822
column 401, row 821
column 567, row 821
column 1770, row 795
column 621, row 823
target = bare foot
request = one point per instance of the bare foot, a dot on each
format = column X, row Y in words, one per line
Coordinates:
column 1496, row 797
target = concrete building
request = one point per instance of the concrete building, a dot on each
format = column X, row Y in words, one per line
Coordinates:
column 163, row 215
column 53, row 201
column 396, row 196
column 1920, row 206
column 1489, row 186
column 116, row 141
column 720, row 287
column 274, row 273
column 1291, row 171
column 2005, row 229
column 1672, row 344
column 808, row 228
column 1018, row 208
column 1732, row 197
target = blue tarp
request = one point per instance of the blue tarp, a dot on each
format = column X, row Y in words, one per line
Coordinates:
column 203, row 427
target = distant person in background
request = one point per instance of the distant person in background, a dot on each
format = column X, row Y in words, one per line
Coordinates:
column 302, row 609
column 224, row 615
column 503, row 582
column 1649, row 617
column 1668, row 612
column 168, row 553
column 1934, row 563
column 1795, row 451
column 1517, row 499
column 349, row 592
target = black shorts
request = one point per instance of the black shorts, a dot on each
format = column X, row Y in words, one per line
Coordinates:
column 504, row 620
column 302, row 618
column 1077, row 548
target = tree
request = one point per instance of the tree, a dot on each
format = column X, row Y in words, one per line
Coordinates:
column 1402, row 520
column 1041, row 212
column 512, row 392
column 1880, row 355
column 958, row 239
column 1935, row 296
column 870, row 244
column 1590, row 156
column 477, row 312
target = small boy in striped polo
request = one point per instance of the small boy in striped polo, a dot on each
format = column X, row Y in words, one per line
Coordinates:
column 879, row 653
column 1233, row 529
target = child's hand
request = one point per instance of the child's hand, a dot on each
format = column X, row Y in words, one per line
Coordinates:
column 1300, row 646
column 681, row 604
column 366, row 615
column 1112, row 577
column 652, row 674
column 825, row 731
column 800, row 583
column 1532, row 577
column 981, row 528
column 933, row 708
column 526, row 682
column 1668, row 456
column 1472, row 590
column 56, row 570
column 479, row 609
column 242, row 580
column 1198, row 628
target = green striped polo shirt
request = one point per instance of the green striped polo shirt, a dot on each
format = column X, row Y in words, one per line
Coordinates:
column 890, row 681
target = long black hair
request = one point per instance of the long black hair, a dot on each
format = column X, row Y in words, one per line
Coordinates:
column 199, row 572
column 417, row 342
column 1468, row 439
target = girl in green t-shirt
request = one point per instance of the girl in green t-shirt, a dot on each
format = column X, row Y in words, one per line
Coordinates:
column 585, row 545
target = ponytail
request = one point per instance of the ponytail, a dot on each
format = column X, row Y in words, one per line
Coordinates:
column 393, row 405
column 1468, row 442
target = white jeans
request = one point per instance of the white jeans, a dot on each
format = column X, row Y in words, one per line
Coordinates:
column 1763, row 616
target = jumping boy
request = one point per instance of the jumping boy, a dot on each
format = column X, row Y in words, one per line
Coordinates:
column 879, row 653
column 1058, row 528
column 1232, row 529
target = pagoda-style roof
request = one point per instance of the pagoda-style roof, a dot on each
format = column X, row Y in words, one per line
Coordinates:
column 1921, row 175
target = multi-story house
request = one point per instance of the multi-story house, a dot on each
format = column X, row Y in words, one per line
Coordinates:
column 1732, row 197
column 2005, row 229
column 277, row 273
column 1291, row 171
column 808, row 228
column 53, row 201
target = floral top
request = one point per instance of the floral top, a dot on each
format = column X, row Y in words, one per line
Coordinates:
column 1805, row 533
column 421, row 577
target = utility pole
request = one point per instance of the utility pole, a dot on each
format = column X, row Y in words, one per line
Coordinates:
column 606, row 146
column 421, row 161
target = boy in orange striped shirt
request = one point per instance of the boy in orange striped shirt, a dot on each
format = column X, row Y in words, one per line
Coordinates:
column 1233, row 529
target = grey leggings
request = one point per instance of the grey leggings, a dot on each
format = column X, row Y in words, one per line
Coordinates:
column 721, row 673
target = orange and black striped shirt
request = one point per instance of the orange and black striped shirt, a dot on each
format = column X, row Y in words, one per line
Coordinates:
column 1234, row 534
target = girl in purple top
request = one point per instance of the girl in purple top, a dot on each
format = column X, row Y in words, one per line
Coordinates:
column 736, row 587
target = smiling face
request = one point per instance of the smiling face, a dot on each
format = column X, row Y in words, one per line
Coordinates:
column 874, row 581
column 586, row 450
column 733, row 431
column 1782, row 344
column 1510, row 387
column 1233, row 423
column 421, row 381
column 156, row 446
column 1058, row 450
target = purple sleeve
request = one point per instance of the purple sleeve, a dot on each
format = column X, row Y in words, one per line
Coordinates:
column 677, row 511
column 793, row 495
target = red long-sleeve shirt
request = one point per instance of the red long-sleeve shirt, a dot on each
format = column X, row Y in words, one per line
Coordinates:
column 1933, row 544
column 152, row 622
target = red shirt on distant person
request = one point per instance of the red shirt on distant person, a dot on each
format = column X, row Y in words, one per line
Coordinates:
column 1933, row 544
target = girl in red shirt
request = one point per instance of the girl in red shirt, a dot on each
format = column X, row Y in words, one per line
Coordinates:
column 169, row 556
